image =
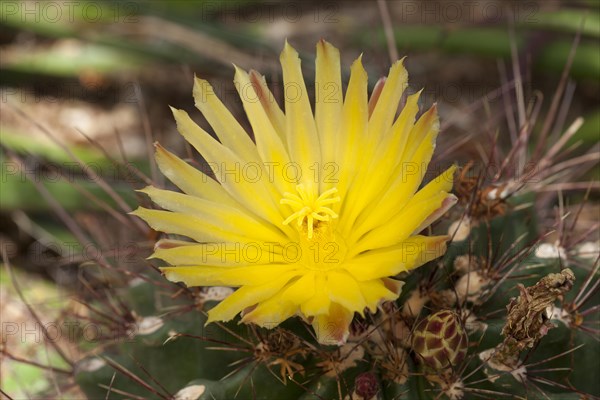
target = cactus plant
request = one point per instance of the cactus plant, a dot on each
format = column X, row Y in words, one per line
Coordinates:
column 499, row 312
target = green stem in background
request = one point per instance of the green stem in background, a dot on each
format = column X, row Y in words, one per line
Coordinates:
column 133, row 45
column 60, row 174
column 492, row 42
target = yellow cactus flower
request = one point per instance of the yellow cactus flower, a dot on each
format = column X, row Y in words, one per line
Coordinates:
column 316, row 215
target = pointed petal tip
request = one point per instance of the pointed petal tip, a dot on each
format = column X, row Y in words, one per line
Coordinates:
column 445, row 238
column 419, row 92
column 212, row 318
column 393, row 285
column 324, row 47
column 357, row 65
column 398, row 63
column 145, row 190
column 237, row 69
column 289, row 50
column 160, row 151
column 172, row 274
column 452, row 169
column 200, row 84
column 137, row 212
column 439, row 239
column 255, row 75
column 430, row 114
column 165, row 244
column 240, row 73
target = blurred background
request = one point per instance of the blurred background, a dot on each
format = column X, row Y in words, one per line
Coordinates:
column 85, row 88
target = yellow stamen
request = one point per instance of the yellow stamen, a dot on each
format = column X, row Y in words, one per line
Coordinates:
column 306, row 205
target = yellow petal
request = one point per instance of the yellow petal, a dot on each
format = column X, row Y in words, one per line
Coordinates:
column 344, row 290
column 201, row 275
column 448, row 203
column 319, row 303
column 270, row 147
column 386, row 159
column 426, row 129
column 191, row 180
column 244, row 297
column 376, row 291
column 411, row 253
column 220, row 254
column 186, row 225
column 442, row 183
column 399, row 192
column 387, row 104
column 400, row 226
column 381, row 171
column 333, row 328
column 229, row 170
column 228, row 218
column 303, row 142
column 268, row 102
column 328, row 100
column 379, row 124
column 271, row 312
column 351, row 135
column 226, row 127
column 301, row 290
column 393, row 285
column 166, row 244
column 375, row 94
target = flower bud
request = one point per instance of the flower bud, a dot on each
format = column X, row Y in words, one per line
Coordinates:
column 440, row 340
column 366, row 385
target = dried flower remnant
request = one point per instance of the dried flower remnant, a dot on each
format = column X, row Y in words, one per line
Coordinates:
column 527, row 321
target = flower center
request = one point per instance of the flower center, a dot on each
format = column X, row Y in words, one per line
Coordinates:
column 309, row 208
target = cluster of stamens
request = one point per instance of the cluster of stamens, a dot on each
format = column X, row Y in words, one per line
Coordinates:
column 308, row 207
